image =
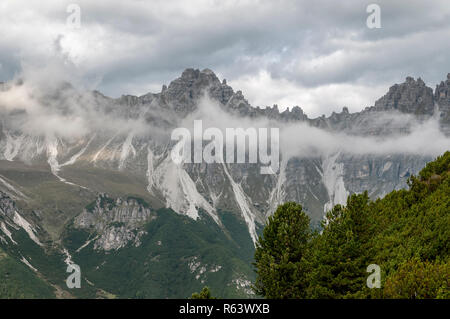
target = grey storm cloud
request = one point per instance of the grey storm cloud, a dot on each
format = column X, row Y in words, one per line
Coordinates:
column 316, row 54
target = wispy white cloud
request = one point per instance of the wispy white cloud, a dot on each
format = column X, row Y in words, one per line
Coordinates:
column 302, row 140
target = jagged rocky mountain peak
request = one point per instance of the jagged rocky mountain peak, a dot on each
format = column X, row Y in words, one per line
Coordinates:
column 196, row 79
column 182, row 93
column 190, row 188
column 181, row 96
column 412, row 96
column 442, row 92
column 442, row 98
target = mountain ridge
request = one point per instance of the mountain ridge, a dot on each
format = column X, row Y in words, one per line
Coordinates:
column 421, row 104
column 58, row 157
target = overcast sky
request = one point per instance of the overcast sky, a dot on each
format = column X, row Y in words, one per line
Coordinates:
column 317, row 54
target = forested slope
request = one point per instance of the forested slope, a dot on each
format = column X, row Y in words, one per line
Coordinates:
column 406, row 233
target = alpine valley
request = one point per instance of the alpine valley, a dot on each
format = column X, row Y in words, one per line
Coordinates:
column 89, row 179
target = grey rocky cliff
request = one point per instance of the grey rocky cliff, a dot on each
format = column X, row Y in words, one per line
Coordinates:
column 11, row 221
column 413, row 96
column 442, row 98
column 7, row 206
column 115, row 223
column 316, row 181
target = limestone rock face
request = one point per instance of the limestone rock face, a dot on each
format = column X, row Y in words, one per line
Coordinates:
column 115, row 223
column 12, row 221
column 412, row 97
column 7, row 205
column 130, row 155
column 317, row 181
column 442, row 98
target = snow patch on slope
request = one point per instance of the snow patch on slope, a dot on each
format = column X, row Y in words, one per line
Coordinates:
column 52, row 154
column 243, row 204
column 333, row 179
column 127, row 148
column 68, row 261
column 180, row 191
column 75, row 157
column 94, row 159
column 278, row 194
column 5, row 230
column 26, row 262
column 20, row 221
column 55, row 167
column 12, row 147
column 87, row 243
column 150, row 170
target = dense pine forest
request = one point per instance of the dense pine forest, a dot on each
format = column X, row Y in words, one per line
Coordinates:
column 406, row 234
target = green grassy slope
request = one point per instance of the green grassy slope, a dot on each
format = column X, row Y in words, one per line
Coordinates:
column 159, row 267
column 18, row 281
